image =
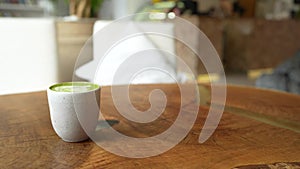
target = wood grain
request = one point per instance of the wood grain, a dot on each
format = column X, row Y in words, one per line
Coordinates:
column 271, row 166
column 27, row 139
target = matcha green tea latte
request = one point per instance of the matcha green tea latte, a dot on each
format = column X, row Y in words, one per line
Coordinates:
column 74, row 109
column 74, row 87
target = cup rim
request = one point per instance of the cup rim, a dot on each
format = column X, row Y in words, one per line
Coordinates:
column 95, row 87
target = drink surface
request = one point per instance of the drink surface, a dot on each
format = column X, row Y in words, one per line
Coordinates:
column 74, row 87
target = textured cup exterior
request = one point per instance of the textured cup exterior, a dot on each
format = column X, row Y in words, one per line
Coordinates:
column 74, row 115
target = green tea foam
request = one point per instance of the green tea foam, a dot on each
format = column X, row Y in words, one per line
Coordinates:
column 74, row 87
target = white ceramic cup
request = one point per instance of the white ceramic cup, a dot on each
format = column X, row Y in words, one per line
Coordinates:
column 74, row 109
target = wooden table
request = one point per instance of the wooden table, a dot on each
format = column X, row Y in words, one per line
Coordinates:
column 258, row 127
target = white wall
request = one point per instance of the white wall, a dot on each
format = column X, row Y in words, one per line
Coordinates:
column 28, row 58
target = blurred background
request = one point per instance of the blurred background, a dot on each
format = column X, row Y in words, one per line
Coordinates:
column 258, row 41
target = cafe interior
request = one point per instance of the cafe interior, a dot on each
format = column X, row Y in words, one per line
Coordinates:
column 252, row 47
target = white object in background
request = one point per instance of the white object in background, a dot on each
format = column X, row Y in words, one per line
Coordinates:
column 144, row 48
column 28, row 58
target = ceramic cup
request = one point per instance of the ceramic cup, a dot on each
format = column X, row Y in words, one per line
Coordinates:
column 74, row 109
